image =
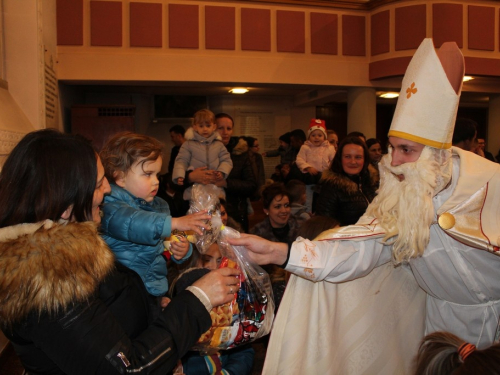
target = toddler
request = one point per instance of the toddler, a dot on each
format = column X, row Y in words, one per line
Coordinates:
column 315, row 155
column 135, row 221
column 203, row 148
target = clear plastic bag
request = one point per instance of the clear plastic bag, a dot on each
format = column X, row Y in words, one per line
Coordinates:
column 206, row 197
column 250, row 314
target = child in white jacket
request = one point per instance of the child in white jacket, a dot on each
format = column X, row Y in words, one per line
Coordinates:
column 315, row 156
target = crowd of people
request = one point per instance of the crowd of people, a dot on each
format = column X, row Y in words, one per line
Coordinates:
column 382, row 258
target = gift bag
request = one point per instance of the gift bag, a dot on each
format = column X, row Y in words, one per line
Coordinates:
column 250, row 314
column 206, row 197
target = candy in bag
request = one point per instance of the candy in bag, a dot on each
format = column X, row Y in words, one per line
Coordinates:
column 250, row 314
column 206, row 197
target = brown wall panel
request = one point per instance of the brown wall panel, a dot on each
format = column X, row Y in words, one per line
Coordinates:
column 447, row 24
column 389, row 68
column 290, row 30
column 219, row 27
column 353, row 35
column 183, row 26
column 324, row 33
column 255, row 29
column 145, row 25
column 380, row 42
column 410, row 27
column 69, row 15
column 105, row 23
column 481, row 28
column 482, row 66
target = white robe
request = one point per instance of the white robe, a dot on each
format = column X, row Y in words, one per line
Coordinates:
column 459, row 277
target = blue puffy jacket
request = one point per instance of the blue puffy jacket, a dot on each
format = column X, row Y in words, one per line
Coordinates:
column 135, row 229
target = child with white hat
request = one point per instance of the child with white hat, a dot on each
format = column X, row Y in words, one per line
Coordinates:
column 314, row 156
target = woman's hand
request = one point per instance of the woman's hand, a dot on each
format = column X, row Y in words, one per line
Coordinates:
column 220, row 285
column 260, row 250
column 194, row 222
column 203, row 176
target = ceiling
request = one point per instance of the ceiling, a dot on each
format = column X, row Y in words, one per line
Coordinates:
column 475, row 92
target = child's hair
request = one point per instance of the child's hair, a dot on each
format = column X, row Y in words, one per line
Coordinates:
column 122, row 150
column 444, row 353
column 316, row 225
column 296, row 190
column 204, row 115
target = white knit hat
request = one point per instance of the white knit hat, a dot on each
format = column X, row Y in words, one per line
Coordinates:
column 430, row 92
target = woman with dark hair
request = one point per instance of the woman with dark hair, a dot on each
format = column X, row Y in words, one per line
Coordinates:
column 65, row 304
column 348, row 186
column 374, row 150
column 279, row 226
column 443, row 353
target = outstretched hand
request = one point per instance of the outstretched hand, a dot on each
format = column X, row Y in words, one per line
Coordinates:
column 260, row 250
column 195, row 222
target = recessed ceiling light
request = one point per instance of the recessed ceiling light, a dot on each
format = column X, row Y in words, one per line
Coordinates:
column 238, row 90
column 468, row 78
column 389, row 95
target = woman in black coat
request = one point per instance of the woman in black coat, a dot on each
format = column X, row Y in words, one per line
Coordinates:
column 348, row 186
column 65, row 304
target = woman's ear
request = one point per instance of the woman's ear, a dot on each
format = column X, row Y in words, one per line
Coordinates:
column 119, row 178
column 66, row 215
column 266, row 211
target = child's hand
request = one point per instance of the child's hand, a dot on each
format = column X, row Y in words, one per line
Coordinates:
column 164, row 302
column 194, row 222
column 179, row 248
column 180, row 181
column 312, row 170
column 218, row 176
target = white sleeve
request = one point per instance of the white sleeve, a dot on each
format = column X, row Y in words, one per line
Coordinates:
column 336, row 260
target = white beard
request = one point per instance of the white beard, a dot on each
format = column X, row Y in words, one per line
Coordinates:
column 404, row 209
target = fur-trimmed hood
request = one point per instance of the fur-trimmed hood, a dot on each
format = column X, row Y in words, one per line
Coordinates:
column 237, row 146
column 44, row 267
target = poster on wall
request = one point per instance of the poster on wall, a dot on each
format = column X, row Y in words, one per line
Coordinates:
column 51, row 93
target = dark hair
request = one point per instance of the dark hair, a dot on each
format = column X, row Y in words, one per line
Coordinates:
column 356, row 134
column 224, row 115
column 465, row 129
column 178, row 129
column 249, row 140
column 439, row 355
column 337, row 159
column 46, row 173
column 296, row 189
column 271, row 191
column 298, row 133
column 316, row 225
column 122, row 150
column 285, row 138
column 372, row 141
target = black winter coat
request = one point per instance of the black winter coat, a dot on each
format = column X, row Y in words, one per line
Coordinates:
column 344, row 198
column 76, row 311
column 241, row 182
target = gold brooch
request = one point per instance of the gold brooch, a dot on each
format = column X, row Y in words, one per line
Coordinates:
column 446, row 221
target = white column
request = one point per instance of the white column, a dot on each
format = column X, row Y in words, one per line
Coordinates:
column 361, row 111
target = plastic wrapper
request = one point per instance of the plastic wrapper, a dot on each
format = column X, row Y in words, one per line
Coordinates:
column 250, row 314
column 206, row 197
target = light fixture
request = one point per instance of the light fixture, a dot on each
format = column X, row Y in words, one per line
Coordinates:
column 468, row 78
column 389, row 95
column 238, row 90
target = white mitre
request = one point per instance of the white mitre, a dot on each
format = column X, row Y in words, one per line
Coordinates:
column 427, row 105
